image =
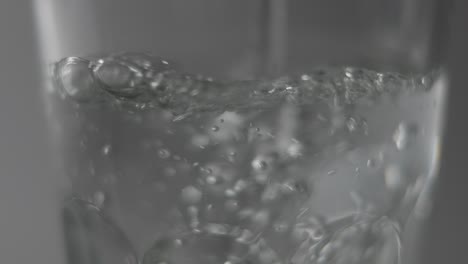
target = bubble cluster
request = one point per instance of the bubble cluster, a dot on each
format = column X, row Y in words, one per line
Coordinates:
column 247, row 165
column 144, row 79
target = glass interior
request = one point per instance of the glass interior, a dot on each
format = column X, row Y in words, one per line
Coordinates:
column 245, row 131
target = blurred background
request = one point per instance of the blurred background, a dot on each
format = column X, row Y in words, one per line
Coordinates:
column 28, row 222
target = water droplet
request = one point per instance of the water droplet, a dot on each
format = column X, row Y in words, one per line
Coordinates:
column 74, row 76
column 106, row 149
column 400, row 137
column 305, row 77
column 215, row 128
column 164, row 153
column 191, row 195
column 394, row 177
column 331, row 172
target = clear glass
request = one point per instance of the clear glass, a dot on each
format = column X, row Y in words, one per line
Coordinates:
column 212, row 131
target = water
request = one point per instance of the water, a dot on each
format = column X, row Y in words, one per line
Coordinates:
column 168, row 167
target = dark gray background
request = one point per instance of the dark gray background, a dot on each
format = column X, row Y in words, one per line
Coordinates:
column 28, row 224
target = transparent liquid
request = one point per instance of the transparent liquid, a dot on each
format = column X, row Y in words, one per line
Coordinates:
column 166, row 167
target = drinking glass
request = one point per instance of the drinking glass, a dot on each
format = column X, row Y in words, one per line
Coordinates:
column 247, row 131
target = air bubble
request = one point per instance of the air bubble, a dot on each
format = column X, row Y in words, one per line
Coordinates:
column 400, row 137
column 106, row 149
column 231, row 205
column 164, row 153
column 170, row 172
column 259, row 164
column 99, row 198
column 240, row 186
column 352, row 124
column 191, row 195
column 200, row 140
column 156, row 82
column 394, row 177
column 271, row 193
column 261, row 178
column 349, row 72
column 280, row 227
column 313, row 228
column 370, row 163
column 295, row 149
column 118, row 78
column 211, row 180
column 261, row 219
column 230, row 193
column 214, row 244
column 267, row 256
column 232, row 156
column 192, row 212
column 74, row 76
